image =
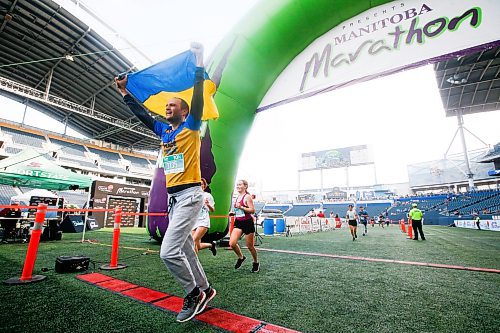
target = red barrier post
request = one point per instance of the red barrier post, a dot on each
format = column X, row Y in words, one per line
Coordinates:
column 115, row 244
column 410, row 229
column 29, row 262
column 403, row 225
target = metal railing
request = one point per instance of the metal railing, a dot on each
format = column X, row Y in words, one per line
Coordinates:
column 40, row 96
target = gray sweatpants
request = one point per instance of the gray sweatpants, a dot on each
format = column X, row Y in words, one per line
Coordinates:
column 177, row 249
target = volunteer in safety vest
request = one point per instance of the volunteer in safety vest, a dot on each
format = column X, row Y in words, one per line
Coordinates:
column 417, row 216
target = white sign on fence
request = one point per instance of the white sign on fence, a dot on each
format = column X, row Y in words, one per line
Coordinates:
column 484, row 224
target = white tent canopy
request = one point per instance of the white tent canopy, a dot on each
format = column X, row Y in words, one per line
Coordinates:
column 25, row 197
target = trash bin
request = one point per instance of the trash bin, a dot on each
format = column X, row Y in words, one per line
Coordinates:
column 268, row 227
column 280, row 225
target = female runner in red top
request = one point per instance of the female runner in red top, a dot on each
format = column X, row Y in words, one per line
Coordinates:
column 243, row 209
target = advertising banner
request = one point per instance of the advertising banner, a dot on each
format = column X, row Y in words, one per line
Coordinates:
column 488, row 224
column 131, row 198
column 384, row 40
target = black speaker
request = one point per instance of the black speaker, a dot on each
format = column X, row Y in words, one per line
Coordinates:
column 69, row 264
column 51, row 232
column 73, row 223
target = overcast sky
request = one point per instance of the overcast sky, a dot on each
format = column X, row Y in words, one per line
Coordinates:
column 400, row 116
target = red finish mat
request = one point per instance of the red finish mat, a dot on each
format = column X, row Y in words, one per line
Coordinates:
column 173, row 304
column 145, row 294
column 116, row 285
column 94, row 277
column 229, row 321
column 225, row 320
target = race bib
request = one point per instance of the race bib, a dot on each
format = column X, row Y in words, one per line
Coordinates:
column 173, row 163
column 203, row 212
column 239, row 212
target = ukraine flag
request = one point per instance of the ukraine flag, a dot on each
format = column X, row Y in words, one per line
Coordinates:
column 174, row 77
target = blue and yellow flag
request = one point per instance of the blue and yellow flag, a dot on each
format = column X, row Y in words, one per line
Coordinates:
column 174, row 77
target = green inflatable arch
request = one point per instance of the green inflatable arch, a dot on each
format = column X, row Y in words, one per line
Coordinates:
column 245, row 65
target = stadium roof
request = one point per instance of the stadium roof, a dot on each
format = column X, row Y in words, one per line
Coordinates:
column 52, row 48
column 470, row 82
column 492, row 155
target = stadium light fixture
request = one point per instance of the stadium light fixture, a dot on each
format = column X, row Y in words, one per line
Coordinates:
column 69, row 57
column 457, row 79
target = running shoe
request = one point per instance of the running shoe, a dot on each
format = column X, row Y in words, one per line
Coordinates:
column 255, row 267
column 239, row 262
column 210, row 294
column 191, row 306
column 213, row 249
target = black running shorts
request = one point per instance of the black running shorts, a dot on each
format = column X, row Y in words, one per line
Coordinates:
column 246, row 226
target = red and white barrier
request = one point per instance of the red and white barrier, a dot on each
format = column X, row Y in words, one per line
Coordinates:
column 113, row 265
column 29, row 263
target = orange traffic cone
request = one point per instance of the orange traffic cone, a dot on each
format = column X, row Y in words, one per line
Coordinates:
column 403, row 226
column 410, row 229
column 29, row 262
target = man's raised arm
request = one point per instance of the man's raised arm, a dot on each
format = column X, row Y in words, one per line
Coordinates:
column 136, row 108
column 197, row 100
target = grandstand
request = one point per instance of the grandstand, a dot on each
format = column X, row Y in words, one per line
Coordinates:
column 492, row 156
column 375, row 208
column 258, row 206
column 439, row 209
column 74, row 153
column 105, row 162
column 106, row 156
column 302, row 209
column 68, row 148
column 136, row 161
column 24, row 138
column 83, row 164
column 113, row 169
column 12, row 150
column 282, row 207
column 336, row 208
column 6, row 192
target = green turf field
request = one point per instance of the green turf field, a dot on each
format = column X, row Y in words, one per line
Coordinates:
column 308, row 294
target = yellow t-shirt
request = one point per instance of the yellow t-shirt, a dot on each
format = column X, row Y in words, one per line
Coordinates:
column 181, row 151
